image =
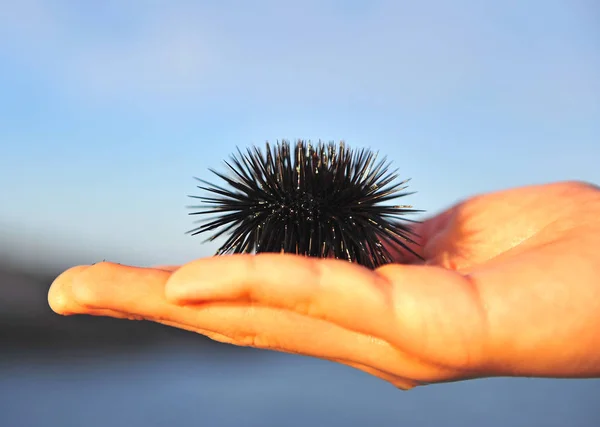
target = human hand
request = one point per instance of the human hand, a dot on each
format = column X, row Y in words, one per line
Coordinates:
column 510, row 286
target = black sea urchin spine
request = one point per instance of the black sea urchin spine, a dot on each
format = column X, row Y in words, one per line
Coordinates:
column 322, row 200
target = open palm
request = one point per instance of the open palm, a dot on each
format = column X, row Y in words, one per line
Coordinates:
column 510, row 280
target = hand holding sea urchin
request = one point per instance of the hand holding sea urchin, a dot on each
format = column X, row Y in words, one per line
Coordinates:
column 318, row 200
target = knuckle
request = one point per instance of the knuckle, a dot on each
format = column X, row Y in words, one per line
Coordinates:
column 307, row 308
column 315, row 272
column 219, row 338
column 260, row 341
column 250, row 340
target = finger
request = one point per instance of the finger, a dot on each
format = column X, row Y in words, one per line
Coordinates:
column 63, row 302
column 137, row 293
column 423, row 310
column 327, row 289
column 92, row 296
column 62, row 299
column 121, row 288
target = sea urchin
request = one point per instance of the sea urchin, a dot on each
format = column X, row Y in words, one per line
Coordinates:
column 318, row 200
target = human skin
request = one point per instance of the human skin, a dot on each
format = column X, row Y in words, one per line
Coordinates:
column 510, row 286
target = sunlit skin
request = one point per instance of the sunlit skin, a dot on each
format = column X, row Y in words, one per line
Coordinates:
column 510, row 286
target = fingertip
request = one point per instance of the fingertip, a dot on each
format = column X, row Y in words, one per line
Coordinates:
column 60, row 298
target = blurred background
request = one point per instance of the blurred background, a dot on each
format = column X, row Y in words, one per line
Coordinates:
column 108, row 109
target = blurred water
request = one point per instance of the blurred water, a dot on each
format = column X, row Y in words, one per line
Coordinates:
column 177, row 387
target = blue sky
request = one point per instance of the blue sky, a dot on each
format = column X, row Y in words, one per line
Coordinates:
column 107, row 109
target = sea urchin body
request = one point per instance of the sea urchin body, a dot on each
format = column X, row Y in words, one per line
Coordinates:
column 320, row 201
